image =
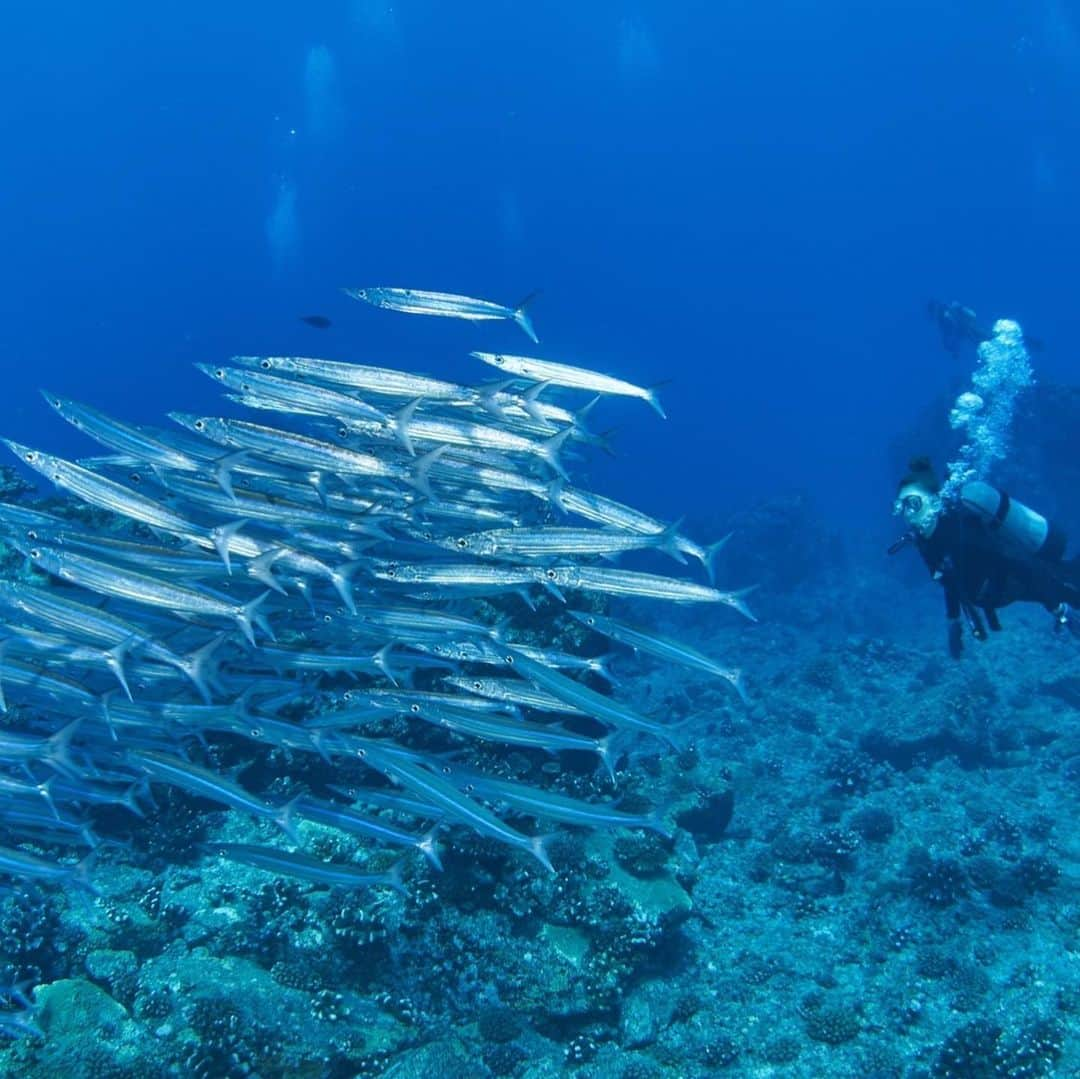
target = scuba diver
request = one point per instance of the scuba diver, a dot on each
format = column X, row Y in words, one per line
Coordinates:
column 959, row 325
column 988, row 551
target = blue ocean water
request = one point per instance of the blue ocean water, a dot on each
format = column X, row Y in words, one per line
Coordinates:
column 747, row 206
column 753, row 202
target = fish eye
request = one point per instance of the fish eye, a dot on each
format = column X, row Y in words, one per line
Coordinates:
column 499, row 361
column 347, row 695
column 219, row 373
column 476, row 685
column 391, row 572
column 265, row 365
column 256, row 732
column 30, row 456
column 328, row 618
column 414, row 708
column 550, row 574
column 135, row 477
column 56, row 477
column 463, row 543
column 510, row 660
column 57, row 403
column 199, row 425
column 245, row 386
column 31, row 534
column 361, row 753
column 445, row 770
column 469, row 788
column 35, row 552
column 343, row 432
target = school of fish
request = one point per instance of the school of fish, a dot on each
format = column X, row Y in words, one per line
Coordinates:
column 347, row 556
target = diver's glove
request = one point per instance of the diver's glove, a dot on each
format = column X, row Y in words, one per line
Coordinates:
column 956, row 638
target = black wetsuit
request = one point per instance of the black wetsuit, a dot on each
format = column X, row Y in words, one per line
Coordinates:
column 958, row 325
column 980, row 570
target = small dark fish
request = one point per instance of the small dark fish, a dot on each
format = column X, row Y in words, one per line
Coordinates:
column 320, row 322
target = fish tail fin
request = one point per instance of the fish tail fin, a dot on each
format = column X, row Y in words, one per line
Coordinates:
column 59, row 744
column 422, row 468
column 223, row 467
column 429, row 849
column 599, row 665
column 284, row 820
column 394, row 879
column 650, row 396
column 402, row 418
column 488, row 393
column 198, row 666
column 80, row 873
column 549, row 450
column 530, row 398
column 736, row 602
column 522, row 319
column 668, row 541
column 607, row 755
column 221, row 536
column 381, row 659
column 129, row 802
column 538, row 847
column 341, row 578
column 114, row 660
column 555, row 495
column 709, row 561
column 259, row 568
column 246, row 614
column 738, row 683
column 655, row 822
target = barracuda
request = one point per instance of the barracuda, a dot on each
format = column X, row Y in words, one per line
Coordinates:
column 288, row 395
column 563, row 374
column 445, row 304
column 624, row 582
column 661, row 647
column 108, row 580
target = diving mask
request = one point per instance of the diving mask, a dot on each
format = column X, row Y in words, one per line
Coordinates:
column 919, row 508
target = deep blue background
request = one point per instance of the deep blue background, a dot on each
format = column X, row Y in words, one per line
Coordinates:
column 751, row 200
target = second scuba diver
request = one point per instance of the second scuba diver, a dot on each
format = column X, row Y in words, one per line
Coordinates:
column 987, row 550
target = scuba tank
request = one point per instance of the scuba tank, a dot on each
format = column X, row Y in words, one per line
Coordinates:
column 1027, row 531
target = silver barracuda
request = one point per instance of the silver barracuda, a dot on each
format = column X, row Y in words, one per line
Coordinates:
column 123, row 437
column 549, row 804
column 378, row 380
column 347, row 819
column 109, row 580
column 563, row 374
column 445, row 304
column 646, row 641
column 605, row 709
column 18, row 863
column 109, row 495
column 290, row 448
column 458, row 806
column 176, row 772
column 516, row 732
column 607, row 511
column 305, row 867
column 553, row 542
column 289, row 395
column 624, row 582
column 512, row 691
